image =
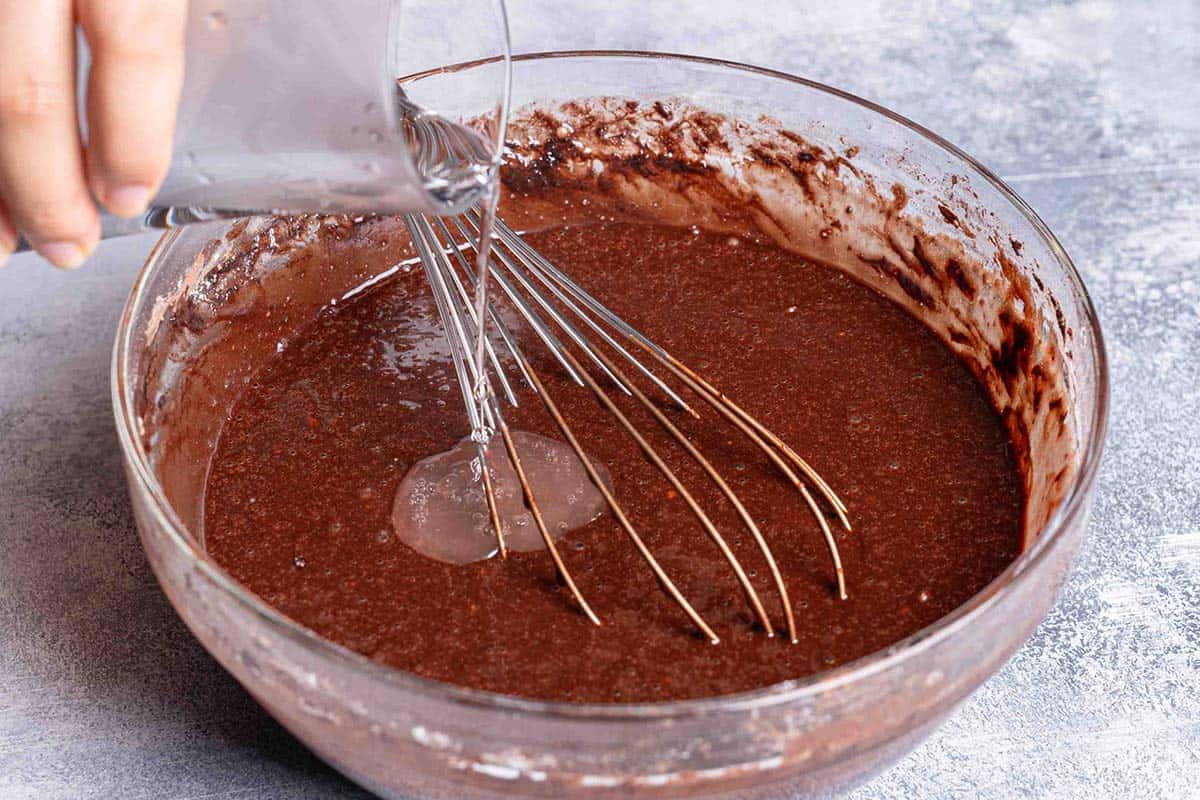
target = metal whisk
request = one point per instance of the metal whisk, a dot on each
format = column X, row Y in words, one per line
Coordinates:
column 562, row 316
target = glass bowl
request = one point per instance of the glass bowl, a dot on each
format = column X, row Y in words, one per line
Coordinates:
column 404, row 736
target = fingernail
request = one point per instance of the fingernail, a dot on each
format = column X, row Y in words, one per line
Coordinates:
column 65, row 255
column 127, row 201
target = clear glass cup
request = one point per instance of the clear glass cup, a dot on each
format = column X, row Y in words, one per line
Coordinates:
column 401, row 735
column 298, row 105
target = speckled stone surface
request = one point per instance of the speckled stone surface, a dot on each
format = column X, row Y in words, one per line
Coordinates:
column 1088, row 108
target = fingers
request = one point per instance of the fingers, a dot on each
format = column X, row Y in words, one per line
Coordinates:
column 133, row 92
column 8, row 236
column 42, row 181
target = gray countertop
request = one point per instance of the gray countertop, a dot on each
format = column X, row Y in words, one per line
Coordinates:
column 1089, row 109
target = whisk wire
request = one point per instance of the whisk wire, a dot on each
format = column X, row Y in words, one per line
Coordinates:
column 531, row 318
column 618, row 512
column 498, row 324
column 437, row 265
column 531, row 265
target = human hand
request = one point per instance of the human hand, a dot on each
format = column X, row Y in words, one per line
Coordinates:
column 48, row 176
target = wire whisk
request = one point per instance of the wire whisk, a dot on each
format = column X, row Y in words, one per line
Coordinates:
column 567, row 320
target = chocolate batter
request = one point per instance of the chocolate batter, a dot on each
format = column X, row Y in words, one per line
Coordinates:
column 299, row 496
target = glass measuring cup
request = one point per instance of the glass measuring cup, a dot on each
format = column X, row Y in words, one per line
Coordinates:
column 304, row 105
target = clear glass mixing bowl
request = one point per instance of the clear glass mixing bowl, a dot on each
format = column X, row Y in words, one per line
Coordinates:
column 404, row 736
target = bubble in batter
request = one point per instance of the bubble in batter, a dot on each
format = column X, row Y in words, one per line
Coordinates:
column 441, row 508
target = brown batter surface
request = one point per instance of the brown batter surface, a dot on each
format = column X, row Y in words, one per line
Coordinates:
column 299, row 495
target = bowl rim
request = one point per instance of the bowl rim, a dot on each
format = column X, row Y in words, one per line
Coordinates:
column 1069, row 510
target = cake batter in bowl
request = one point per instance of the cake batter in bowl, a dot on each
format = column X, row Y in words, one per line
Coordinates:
column 739, row 153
